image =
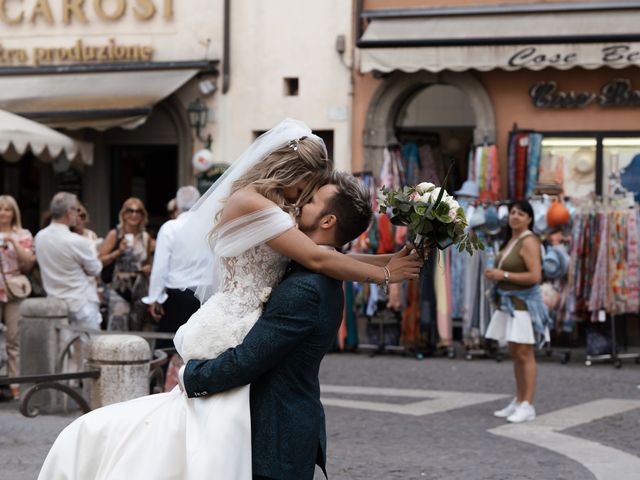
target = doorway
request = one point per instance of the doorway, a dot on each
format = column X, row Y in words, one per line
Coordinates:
column 149, row 172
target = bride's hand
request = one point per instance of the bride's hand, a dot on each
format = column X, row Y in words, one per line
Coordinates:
column 404, row 265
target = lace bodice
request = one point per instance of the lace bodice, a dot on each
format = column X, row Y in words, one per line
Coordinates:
column 249, row 277
column 224, row 320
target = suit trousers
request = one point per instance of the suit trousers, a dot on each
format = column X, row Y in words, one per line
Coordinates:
column 178, row 307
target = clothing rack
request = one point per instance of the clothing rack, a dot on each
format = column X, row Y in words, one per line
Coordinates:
column 614, row 356
column 617, row 198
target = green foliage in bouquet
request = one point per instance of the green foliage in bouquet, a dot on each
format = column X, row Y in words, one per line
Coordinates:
column 431, row 214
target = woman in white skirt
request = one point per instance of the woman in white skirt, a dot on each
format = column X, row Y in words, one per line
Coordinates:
column 521, row 315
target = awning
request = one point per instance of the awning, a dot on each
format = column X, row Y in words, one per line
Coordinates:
column 19, row 135
column 511, row 37
column 94, row 96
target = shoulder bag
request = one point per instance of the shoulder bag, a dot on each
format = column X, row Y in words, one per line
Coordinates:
column 18, row 286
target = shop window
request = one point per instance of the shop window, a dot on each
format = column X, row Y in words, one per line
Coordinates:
column 622, row 165
column 576, row 164
column 291, row 86
column 569, row 163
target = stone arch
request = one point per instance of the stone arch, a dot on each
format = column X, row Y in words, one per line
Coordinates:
column 398, row 88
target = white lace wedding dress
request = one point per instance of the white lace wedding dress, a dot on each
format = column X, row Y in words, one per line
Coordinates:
column 169, row 436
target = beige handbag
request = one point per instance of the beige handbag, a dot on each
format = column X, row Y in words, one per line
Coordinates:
column 18, row 286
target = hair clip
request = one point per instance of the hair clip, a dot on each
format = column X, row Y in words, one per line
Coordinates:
column 294, row 144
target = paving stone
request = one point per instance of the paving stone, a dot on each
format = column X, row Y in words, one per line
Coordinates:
column 452, row 445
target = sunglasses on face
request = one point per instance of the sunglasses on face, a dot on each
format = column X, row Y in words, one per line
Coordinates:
column 133, row 210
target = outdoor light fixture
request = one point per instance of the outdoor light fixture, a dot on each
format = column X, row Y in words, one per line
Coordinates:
column 198, row 114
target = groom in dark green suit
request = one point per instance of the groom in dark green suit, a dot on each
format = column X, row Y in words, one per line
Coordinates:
column 280, row 357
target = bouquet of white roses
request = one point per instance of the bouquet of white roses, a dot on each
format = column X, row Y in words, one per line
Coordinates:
column 431, row 214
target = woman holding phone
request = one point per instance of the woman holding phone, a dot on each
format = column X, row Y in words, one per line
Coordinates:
column 126, row 255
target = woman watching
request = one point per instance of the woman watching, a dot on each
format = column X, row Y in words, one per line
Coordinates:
column 16, row 259
column 126, row 255
column 521, row 315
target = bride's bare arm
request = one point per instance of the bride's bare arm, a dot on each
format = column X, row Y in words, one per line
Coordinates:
column 297, row 246
column 379, row 260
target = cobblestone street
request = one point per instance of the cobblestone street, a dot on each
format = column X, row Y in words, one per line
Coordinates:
column 393, row 417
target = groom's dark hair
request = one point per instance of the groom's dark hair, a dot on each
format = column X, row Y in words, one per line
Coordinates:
column 351, row 205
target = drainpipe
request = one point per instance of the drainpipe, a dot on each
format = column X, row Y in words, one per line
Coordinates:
column 226, row 80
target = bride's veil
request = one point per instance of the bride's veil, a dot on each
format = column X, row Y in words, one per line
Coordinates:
column 192, row 247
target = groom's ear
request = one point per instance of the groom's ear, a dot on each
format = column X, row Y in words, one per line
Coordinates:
column 328, row 221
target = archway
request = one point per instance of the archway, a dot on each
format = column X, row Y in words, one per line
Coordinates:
column 397, row 92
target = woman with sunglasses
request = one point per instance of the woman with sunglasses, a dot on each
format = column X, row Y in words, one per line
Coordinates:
column 126, row 255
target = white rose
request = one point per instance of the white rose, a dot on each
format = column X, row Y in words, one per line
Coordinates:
column 425, row 187
column 452, row 202
column 433, row 194
column 265, row 294
column 425, row 198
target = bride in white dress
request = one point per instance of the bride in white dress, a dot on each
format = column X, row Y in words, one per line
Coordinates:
column 169, row 436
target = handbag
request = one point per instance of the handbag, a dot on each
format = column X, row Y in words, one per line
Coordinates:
column 18, row 286
column 107, row 272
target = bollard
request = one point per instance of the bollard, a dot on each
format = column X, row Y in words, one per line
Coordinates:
column 40, row 344
column 123, row 361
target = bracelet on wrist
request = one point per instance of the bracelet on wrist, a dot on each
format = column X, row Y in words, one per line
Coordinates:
column 387, row 277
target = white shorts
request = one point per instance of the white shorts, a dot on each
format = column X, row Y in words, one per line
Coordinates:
column 505, row 328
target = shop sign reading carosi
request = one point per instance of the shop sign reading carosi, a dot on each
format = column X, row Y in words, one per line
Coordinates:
column 49, row 13
column 52, row 12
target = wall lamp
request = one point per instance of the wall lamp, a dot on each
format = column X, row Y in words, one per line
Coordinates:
column 198, row 115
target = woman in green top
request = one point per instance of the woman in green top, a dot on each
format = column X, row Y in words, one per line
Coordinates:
column 518, row 267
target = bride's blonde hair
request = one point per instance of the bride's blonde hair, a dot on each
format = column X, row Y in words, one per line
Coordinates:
column 297, row 160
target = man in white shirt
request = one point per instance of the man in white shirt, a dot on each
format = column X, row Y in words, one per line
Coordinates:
column 67, row 262
column 170, row 301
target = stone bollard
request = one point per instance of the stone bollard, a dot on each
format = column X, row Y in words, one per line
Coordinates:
column 123, row 361
column 40, row 343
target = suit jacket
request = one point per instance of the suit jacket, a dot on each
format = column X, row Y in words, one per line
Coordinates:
column 280, row 357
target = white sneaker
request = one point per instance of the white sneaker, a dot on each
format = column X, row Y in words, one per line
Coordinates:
column 508, row 410
column 524, row 413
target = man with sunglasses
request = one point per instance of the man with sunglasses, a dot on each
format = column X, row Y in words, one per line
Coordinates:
column 67, row 261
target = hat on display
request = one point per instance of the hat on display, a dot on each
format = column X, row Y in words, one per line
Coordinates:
column 557, row 215
column 583, row 164
column 539, row 216
column 555, row 262
column 503, row 215
column 491, row 221
column 469, row 189
column 477, row 218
